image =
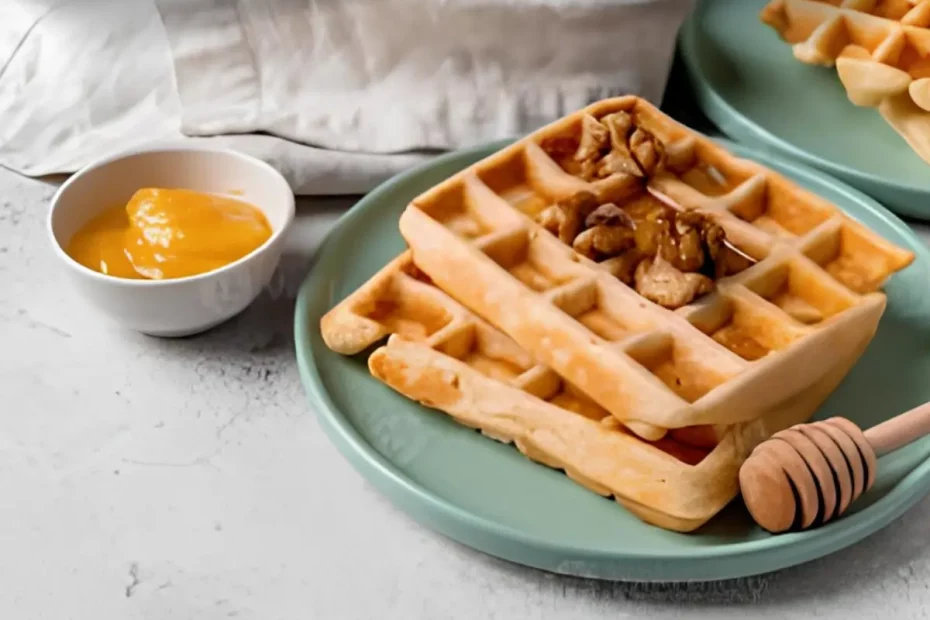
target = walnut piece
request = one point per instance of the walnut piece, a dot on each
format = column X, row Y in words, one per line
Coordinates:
column 619, row 160
column 565, row 219
column 670, row 257
column 614, row 146
column 620, row 188
column 715, row 238
column 727, row 258
column 594, row 138
column 653, row 228
column 603, row 241
column 609, row 214
column 660, row 282
column 683, row 250
column 648, row 151
column 682, row 243
column 619, row 124
column 587, row 169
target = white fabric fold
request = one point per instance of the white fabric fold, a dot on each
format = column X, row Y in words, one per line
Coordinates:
column 338, row 94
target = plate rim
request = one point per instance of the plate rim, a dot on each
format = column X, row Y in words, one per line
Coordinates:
column 737, row 126
column 726, row 561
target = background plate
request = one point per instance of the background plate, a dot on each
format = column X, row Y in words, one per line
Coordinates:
column 746, row 80
column 488, row 496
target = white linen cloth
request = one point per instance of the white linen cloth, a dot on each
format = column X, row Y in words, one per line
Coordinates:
column 337, row 94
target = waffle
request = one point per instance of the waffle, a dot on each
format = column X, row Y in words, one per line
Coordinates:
column 879, row 49
column 506, row 327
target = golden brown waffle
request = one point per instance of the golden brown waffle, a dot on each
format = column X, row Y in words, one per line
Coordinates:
column 879, row 48
column 758, row 353
column 905, row 12
column 442, row 355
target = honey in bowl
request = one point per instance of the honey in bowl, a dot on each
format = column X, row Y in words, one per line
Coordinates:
column 169, row 233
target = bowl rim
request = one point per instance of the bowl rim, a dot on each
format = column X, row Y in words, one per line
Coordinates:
column 290, row 211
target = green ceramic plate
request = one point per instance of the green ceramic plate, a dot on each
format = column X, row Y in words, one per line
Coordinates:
column 488, row 496
column 748, row 83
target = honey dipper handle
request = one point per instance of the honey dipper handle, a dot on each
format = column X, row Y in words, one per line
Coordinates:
column 900, row 430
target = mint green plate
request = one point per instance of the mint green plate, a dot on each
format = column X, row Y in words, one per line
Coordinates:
column 746, row 80
column 488, row 496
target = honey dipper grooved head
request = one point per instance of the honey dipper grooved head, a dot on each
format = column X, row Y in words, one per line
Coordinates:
column 807, row 475
column 767, row 492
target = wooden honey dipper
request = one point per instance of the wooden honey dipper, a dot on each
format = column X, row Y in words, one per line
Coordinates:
column 809, row 474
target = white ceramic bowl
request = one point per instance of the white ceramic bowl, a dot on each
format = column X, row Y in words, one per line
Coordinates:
column 182, row 306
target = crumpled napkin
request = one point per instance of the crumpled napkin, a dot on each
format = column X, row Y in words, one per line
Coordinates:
column 337, row 94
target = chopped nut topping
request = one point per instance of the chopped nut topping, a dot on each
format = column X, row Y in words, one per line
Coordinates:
column 620, row 188
column 619, row 160
column 683, row 250
column 658, row 281
column 619, row 124
column 682, row 243
column 606, row 149
column 594, row 138
column 715, row 237
column 614, row 146
column 580, row 202
column 565, row 219
column 669, row 256
column 609, row 214
column 587, row 169
column 648, row 151
column 652, row 228
column 601, row 241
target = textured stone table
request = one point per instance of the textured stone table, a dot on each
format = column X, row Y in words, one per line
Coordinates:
column 156, row 479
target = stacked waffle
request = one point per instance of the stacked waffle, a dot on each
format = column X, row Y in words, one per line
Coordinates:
column 622, row 299
column 879, row 48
